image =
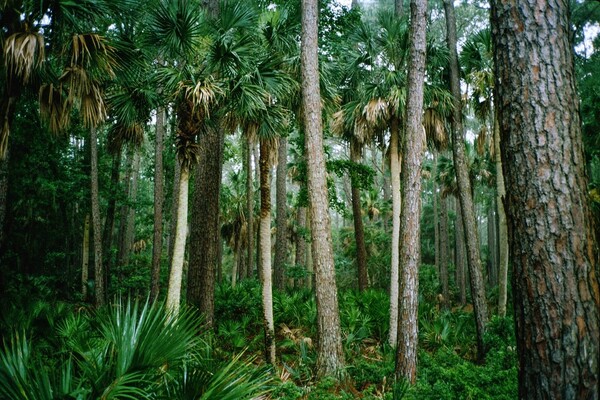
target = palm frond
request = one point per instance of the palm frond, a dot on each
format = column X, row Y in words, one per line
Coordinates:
column 54, row 107
column 435, row 130
column 23, row 53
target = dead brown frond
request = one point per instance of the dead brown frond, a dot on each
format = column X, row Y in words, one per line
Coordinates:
column 23, row 53
column 435, row 130
column 425, row 174
column 377, row 111
column 203, row 96
column 4, row 134
column 481, row 141
column 93, row 108
column 92, row 49
column 363, row 130
column 77, row 80
column 54, row 108
column 188, row 152
column 121, row 135
column 336, row 123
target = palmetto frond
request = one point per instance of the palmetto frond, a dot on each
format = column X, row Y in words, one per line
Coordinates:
column 435, row 129
column 93, row 108
column 92, row 50
column 54, row 107
column 377, row 110
column 23, row 53
column 174, row 28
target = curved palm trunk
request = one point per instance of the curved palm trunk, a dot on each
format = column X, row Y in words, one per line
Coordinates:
column 502, row 227
column 265, row 250
column 552, row 245
column 176, row 273
column 396, row 207
column 359, row 230
column 158, row 203
column 96, row 224
column 281, row 240
column 330, row 359
column 410, row 223
column 464, row 187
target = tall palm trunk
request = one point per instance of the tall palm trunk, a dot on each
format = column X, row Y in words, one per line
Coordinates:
column 444, row 250
column 502, row 225
column 464, row 187
column 85, row 257
column 122, row 252
column 249, row 210
column 109, row 224
column 281, row 240
column 412, row 164
column 158, row 203
column 176, row 273
column 265, row 249
column 359, row 230
column 552, row 244
column 96, row 223
column 300, row 239
column 492, row 264
column 459, row 252
column 330, row 359
column 436, row 219
column 174, row 208
column 205, row 232
column 396, row 207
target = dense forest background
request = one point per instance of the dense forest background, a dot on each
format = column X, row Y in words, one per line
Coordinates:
column 157, row 238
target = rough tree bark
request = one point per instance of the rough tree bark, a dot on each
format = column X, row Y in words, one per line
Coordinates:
column 158, row 203
column 300, row 240
column 249, row 210
column 444, row 250
column 281, row 239
column 410, row 220
column 552, row 245
column 85, row 257
column 109, row 223
column 330, row 360
column 464, row 186
column 460, row 250
column 502, row 227
column 359, row 230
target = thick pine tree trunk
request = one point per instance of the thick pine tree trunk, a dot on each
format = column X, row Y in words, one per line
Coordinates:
column 396, row 206
column 281, row 239
column 330, row 359
column 158, row 203
column 464, row 187
column 176, row 273
column 552, row 245
column 96, row 223
column 410, row 220
column 265, row 249
column 359, row 230
column 205, row 232
column 502, row 227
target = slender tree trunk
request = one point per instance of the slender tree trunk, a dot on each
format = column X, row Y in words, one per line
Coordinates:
column 359, row 230
column 502, row 227
column 236, row 261
column 410, row 220
column 492, row 249
column 265, row 249
column 281, row 240
column 330, row 359
column 464, row 187
column 552, row 245
column 122, row 253
column 300, row 238
column 399, row 8
column 85, row 257
column 436, row 220
column 158, row 203
column 174, row 208
column 249, row 209
column 3, row 192
column 396, row 207
column 130, row 226
column 109, row 224
column 176, row 273
column 461, row 273
column 444, row 250
column 205, row 232
column 96, row 224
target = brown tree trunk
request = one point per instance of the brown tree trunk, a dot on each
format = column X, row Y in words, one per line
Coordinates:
column 396, row 209
column 552, row 245
column 174, row 208
column 464, row 187
column 330, row 359
column 122, row 251
column 205, row 233
column 359, row 230
column 444, row 250
column 130, row 226
column 492, row 276
column 410, row 220
column 158, row 203
column 109, row 224
column 281, row 240
column 85, row 257
column 3, row 192
column 96, row 224
column 300, row 239
column 399, row 8
column 436, row 220
column 265, row 249
column 249, row 210
column 459, row 252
